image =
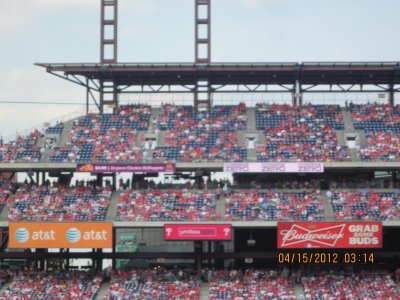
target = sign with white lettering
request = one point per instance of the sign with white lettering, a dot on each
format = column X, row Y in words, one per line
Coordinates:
column 198, row 232
column 329, row 235
column 274, row 167
column 129, row 168
column 60, row 235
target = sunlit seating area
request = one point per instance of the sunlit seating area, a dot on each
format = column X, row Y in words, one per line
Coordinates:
column 249, row 205
column 300, row 133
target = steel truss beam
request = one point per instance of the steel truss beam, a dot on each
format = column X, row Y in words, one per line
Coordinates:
column 349, row 88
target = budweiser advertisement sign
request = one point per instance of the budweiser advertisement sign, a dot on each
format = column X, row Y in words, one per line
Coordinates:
column 129, row 168
column 274, row 167
column 329, row 235
column 197, row 232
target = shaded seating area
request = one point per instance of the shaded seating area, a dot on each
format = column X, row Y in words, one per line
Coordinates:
column 251, row 284
column 166, row 205
column 156, row 283
column 361, row 286
column 246, row 205
column 366, row 205
column 42, row 286
column 59, row 203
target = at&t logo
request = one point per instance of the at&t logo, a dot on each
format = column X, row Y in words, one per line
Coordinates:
column 22, row 235
column 73, row 235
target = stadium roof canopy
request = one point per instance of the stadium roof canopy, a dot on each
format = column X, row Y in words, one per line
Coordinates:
column 308, row 73
column 289, row 77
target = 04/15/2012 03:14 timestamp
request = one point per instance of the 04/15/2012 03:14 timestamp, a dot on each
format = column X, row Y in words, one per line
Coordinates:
column 326, row 257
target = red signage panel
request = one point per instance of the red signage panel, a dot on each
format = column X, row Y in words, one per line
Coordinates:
column 297, row 235
column 197, row 232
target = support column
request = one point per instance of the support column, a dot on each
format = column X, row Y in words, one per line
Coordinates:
column 109, row 31
column 294, row 98
column 114, row 248
column 202, row 31
column 202, row 96
column 202, row 46
column 108, row 95
column 391, row 94
column 297, row 94
column 198, row 250
column 108, row 51
column 99, row 260
column 87, row 96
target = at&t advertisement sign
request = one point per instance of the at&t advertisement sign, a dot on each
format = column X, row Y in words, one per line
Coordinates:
column 60, row 235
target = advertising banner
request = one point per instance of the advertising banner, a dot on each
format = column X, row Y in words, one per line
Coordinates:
column 127, row 243
column 197, row 232
column 129, row 168
column 60, row 235
column 329, row 235
column 274, row 167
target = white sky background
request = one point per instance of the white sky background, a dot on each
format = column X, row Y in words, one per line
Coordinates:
column 163, row 31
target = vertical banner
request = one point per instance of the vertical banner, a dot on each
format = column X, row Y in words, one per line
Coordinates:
column 127, row 243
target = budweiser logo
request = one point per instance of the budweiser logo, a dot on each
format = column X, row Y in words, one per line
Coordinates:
column 327, row 236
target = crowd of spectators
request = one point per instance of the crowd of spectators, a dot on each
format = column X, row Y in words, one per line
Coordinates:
column 40, row 286
column 56, row 129
column 351, row 286
column 181, row 284
column 366, row 205
column 261, row 181
column 292, row 133
column 300, row 133
column 23, row 150
column 100, row 138
column 201, row 136
column 166, row 205
column 156, row 283
column 5, row 191
column 5, row 276
column 251, row 285
column 59, row 203
column 362, row 183
column 381, row 123
column 248, row 205
column 381, row 146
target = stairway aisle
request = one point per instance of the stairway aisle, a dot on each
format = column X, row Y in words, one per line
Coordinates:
column 329, row 214
column 299, row 291
column 204, row 291
column 112, row 209
column 103, row 291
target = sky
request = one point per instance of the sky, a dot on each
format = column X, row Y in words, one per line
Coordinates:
column 163, row 31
